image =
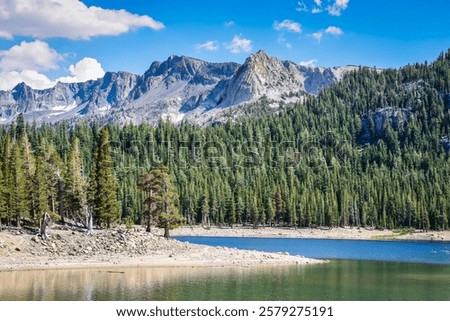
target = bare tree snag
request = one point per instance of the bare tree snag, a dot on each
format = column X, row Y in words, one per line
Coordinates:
column 89, row 221
column 45, row 222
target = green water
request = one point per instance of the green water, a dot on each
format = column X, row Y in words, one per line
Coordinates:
column 337, row 280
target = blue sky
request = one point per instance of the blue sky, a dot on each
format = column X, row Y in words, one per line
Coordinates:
column 44, row 41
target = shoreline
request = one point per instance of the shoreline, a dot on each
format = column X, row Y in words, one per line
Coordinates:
column 120, row 248
column 312, row 233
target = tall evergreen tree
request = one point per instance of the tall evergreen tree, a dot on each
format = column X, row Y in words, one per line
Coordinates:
column 151, row 185
column 279, row 208
column 19, row 192
column 230, row 216
column 3, row 204
column 162, row 199
column 74, row 182
column 106, row 206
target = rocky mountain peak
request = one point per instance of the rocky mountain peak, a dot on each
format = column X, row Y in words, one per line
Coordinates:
column 184, row 66
column 177, row 88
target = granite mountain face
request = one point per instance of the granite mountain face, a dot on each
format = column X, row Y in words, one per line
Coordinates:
column 177, row 89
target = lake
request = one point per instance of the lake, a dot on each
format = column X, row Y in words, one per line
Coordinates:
column 362, row 279
column 395, row 251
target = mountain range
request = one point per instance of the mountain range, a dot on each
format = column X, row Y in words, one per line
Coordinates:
column 180, row 88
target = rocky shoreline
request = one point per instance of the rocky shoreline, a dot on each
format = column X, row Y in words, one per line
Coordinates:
column 72, row 248
column 315, row 233
column 69, row 247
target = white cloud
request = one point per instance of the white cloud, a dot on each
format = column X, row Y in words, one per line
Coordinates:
column 36, row 55
column 331, row 30
column 84, row 70
column 309, row 63
column 288, row 25
column 5, row 35
column 229, row 23
column 316, row 10
column 337, row 7
column 318, row 2
column 26, row 62
column 335, row 31
column 301, row 7
column 68, row 19
column 31, row 77
column 239, row 44
column 209, row 46
column 318, row 35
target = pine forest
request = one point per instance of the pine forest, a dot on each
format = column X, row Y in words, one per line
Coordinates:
column 371, row 151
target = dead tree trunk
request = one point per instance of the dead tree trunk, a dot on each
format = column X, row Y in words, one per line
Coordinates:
column 166, row 230
column 45, row 222
column 89, row 221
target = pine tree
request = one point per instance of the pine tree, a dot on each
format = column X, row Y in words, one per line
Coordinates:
column 74, row 182
column 162, row 199
column 169, row 215
column 41, row 200
column 106, row 205
column 230, row 215
column 279, row 209
column 47, row 182
column 150, row 184
column 204, row 210
column 7, row 177
column 19, row 192
column 3, row 204
column 29, row 167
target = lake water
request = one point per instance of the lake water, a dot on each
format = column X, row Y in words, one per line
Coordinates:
column 337, row 280
column 394, row 251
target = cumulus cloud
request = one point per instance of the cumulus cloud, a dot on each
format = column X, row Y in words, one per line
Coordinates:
column 336, row 8
column 68, row 19
column 318, row 2
column 335, row 31
column 316, row 10
column 36, row 55
column 308, row 63
column 209, row 46
column 31, row 77
column 84, row 70
column 331, row 30
column 288, row 25
column 27, row 62
column 239, row 44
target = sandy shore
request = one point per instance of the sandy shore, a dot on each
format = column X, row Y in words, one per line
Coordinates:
column 334, row 233
column 67, row 248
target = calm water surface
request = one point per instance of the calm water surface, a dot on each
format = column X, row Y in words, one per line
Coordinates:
column 338, row 280
column 395, row 251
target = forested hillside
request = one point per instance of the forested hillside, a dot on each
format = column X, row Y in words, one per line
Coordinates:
column 372, row 150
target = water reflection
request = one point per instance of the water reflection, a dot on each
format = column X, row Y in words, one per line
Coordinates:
column 103, row 284
column 337, row 280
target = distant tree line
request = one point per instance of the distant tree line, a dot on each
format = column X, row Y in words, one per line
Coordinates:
column 305, row 166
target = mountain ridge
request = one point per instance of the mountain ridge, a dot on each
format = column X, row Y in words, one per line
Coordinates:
column 179, row 88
